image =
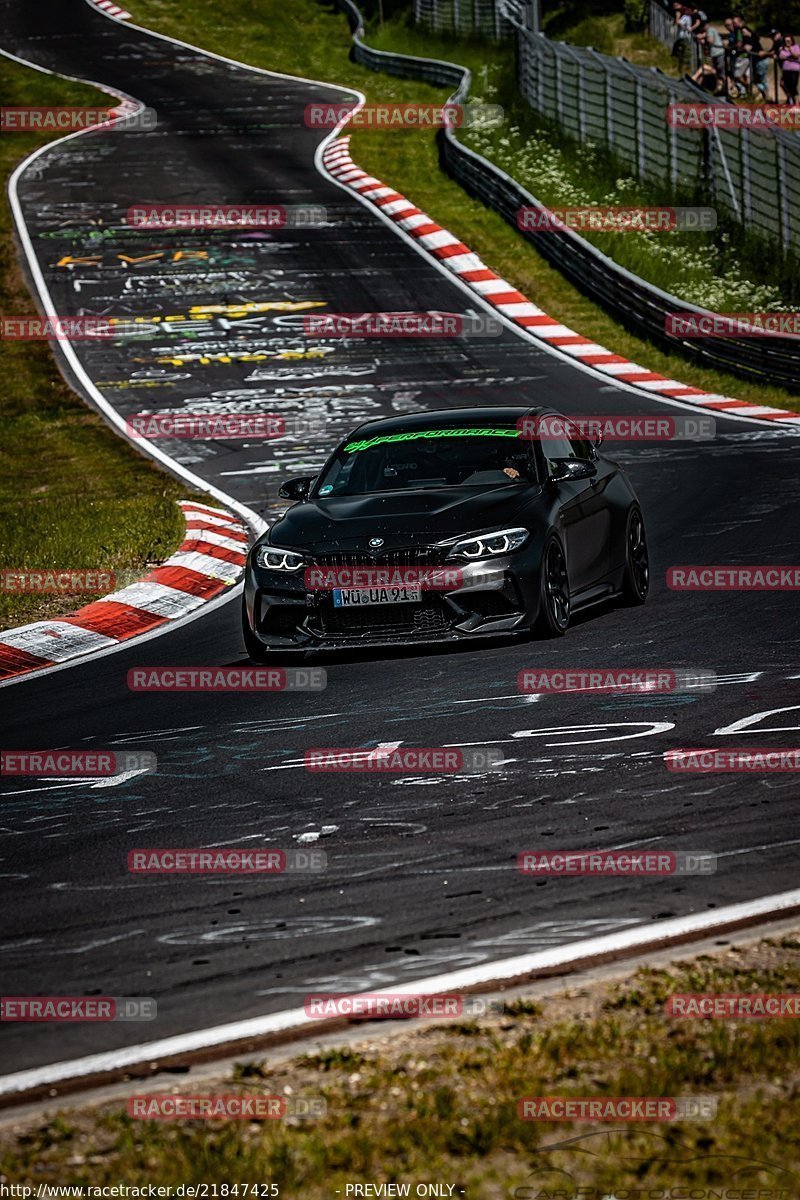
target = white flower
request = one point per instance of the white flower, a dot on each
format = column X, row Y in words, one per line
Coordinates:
column 687, row 265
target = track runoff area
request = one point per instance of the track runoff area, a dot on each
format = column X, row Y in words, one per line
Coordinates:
column 476, row 858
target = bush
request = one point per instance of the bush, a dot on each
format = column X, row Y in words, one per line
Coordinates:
column 636, row 12
column 773, row 14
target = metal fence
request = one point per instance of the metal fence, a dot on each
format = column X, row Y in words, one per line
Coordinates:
column 468, row 18
column 636, row 304
column 753, row 175
column 661, row 25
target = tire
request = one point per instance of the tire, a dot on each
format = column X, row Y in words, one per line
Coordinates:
column 255, row 650
column 636, row 579
column 554, row 607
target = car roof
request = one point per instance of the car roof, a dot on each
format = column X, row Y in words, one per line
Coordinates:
column 448, row 418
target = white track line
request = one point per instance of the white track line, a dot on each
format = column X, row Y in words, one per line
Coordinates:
column 562, row 958
column 251, row 518
column 254, row 522
column 612, row 943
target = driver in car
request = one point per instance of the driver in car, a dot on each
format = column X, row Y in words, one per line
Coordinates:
column 516, row 467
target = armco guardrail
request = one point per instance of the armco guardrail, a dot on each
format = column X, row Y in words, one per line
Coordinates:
column 636, row 304
column 429, row 70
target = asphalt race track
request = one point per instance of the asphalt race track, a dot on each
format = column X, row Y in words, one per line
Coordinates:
column 421, row 872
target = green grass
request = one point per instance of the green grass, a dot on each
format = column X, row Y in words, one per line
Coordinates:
column 319, row 48
column 701, row 268
column 601, row 24
column 441, row 1104
column 72, row 494
column 720, row 270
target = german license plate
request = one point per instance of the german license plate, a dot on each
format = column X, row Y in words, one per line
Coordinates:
column 358, row 597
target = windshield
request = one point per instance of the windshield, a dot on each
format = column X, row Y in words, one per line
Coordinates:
column 429, row 458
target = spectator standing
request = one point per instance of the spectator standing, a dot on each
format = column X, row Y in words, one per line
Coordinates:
column 776, row 37
column 761, row 60
column 711, row 74
column 789, row 57
column 729, row 42
column 749, row 45
column 682, row 46
column 739, row 44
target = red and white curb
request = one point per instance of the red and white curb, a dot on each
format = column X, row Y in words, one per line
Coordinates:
column 470, row 269
column 209, row 560
column 112, row 9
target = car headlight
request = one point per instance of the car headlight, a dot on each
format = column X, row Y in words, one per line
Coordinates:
column 275, row 559
column 485, row 545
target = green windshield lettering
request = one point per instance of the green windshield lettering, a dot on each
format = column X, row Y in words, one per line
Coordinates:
column 390, row 438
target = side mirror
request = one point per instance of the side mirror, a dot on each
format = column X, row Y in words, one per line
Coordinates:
column 572, row 468
column 296, row 489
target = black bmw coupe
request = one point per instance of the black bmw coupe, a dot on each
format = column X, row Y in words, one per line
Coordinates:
column 444, row 526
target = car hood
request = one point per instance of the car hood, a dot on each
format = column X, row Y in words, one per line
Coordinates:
column 400, row 518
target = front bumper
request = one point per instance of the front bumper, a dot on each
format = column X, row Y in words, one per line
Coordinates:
column 495, row 597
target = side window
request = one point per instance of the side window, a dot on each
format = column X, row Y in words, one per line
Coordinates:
column 339, row 476
column 580, row 447
column 522, row 458
column 554, row 448
column 533, row 469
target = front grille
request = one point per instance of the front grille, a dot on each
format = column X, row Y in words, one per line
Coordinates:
column 424, row 556
column 429, row 617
